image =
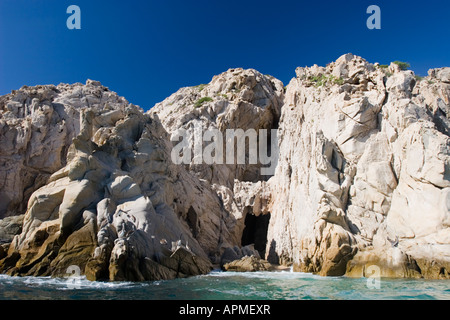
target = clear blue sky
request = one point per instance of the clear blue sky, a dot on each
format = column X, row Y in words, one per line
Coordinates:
column 146, row 50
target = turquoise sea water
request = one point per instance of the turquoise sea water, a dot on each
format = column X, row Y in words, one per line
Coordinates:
column 224, row 286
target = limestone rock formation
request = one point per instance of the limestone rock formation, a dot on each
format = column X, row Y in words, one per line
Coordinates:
column 119, row 203
column 116, row 208
column 236, row 99
column 37, row 125
column 362, row 176
column 363, row 168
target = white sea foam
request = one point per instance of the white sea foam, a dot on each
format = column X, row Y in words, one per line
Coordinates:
column 265, row 274
column 68, row 283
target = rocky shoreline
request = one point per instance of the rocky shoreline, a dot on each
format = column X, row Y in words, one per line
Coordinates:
column 362, row 177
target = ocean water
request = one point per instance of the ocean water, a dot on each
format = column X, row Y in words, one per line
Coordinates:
column 217, row 285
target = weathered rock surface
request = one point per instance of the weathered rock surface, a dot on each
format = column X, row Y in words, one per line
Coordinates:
column 236, row 99
column 363, row 166
column 37, row 125
column 9, row 227
column 119, row 202
column 248, row 264
column 237, row 253
column 362, row 177
column 116, row 208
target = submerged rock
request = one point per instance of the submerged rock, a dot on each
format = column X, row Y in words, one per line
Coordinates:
column 248, row 264
column 236, row 253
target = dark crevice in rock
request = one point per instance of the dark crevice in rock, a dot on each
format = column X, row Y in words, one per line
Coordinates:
column 255, row 231
column 192, row 221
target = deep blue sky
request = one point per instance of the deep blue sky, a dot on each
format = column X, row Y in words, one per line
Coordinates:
column 146, row 50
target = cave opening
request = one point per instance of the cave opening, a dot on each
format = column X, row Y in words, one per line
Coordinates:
column 255, row 232
column 192, row 221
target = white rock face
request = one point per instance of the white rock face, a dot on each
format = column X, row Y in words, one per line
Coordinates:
column 362, row 177
column 120, row 200
column 236, row 99
column 37, row 125
column 117, row 207
column 363, row 166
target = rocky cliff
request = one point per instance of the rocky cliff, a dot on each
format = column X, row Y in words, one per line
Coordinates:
column 362, row 176
column 37, row 125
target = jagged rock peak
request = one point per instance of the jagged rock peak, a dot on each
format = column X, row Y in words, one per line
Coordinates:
column 26, row 101
column 235, row 99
